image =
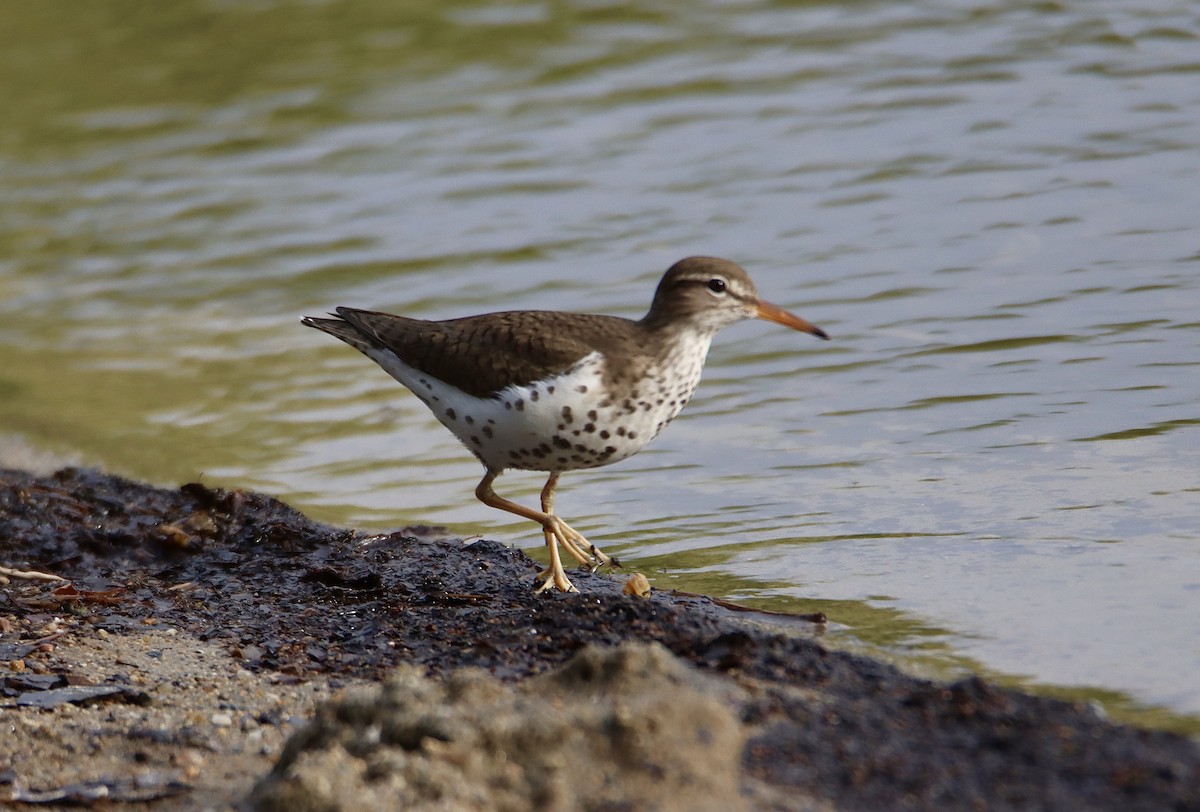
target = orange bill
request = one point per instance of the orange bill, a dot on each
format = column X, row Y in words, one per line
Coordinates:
column 777, row 314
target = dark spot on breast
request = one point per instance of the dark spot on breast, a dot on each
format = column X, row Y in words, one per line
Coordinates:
column 550, row 389
column 589, row 427
column 620, row 431
column 592, row 415
column 604, row 435
column 534, row 395
column 562, row 459
column 561, row 442
column 487, row 432
column 581, row 388
column 520, row 404
column 633, row 435
column 580, row 447
column 475, row 440
column 566, row 413
column 450, row 413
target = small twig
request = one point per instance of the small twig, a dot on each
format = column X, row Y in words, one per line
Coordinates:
column 50, row 638
column 30, row 575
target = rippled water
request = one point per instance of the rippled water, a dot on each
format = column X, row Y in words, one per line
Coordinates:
column 992, row 207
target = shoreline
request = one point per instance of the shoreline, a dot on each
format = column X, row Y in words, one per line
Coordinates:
column 207, row 625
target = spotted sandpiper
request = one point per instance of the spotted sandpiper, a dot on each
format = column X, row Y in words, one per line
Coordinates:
column 540, row 390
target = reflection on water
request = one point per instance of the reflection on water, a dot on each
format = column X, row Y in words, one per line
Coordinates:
column 991, row 207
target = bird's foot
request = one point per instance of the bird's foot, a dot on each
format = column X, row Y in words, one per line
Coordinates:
column 557, row 578
column 589, row 556
column 554, row 575
column 603, row 559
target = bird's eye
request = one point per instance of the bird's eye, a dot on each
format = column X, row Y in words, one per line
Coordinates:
column 716, row 285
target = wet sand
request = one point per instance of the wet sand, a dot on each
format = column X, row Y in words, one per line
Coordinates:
column 197, row 630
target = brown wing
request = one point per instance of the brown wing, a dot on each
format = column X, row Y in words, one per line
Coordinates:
column 482, row 355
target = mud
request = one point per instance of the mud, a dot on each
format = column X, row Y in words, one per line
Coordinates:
column 222, row 619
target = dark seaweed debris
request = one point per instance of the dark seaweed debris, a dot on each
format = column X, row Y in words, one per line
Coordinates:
column 295, row 597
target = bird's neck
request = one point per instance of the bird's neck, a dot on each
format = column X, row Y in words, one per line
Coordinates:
column 680, row 342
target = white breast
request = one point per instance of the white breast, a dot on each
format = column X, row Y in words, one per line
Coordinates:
column 562, row 424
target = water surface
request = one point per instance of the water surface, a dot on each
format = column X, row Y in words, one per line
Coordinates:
column 992, row 208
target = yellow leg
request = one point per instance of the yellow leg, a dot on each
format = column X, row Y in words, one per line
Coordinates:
column 586, row 553
column 551, row 528
column 555, row 530
column 568, row 543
